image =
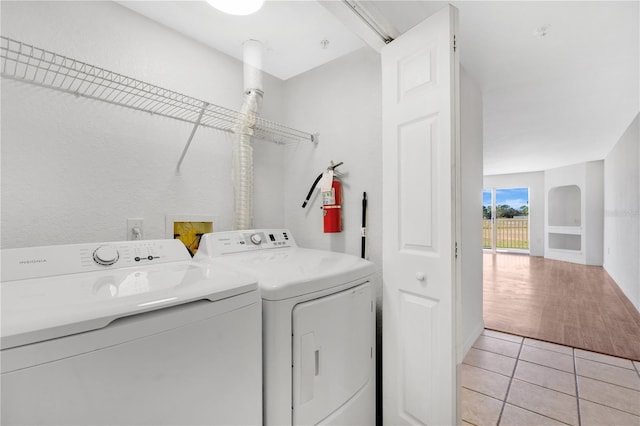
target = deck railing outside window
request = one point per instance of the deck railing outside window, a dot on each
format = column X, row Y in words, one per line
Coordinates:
column 512, row 233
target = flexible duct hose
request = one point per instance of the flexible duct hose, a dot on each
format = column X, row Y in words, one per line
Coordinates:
column 242, row 145
column 243, row 162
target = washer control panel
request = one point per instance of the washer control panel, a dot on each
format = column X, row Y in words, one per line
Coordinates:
column 256, row 238
column 128, row 253
column 36, row 262
column 219, row 243
column 106, row 255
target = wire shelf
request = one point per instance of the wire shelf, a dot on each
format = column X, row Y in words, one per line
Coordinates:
column 23, row 62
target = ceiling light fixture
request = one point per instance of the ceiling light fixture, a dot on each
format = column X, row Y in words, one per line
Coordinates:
column 237, row 7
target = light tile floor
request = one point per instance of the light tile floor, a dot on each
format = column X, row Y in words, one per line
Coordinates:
column 510, row 380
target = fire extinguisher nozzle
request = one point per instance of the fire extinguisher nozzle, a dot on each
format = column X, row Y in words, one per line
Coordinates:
column 304, row 204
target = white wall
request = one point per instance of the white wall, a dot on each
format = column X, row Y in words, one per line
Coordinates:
column 535, row 182
column 74, row 169
column 471, row 196
column 341, row 100
column 622, row 213
column 594, row 205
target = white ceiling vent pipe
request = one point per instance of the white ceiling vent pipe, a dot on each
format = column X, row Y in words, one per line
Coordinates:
column 242, row 145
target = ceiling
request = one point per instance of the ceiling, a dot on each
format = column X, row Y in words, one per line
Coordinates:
column 548, row 101
column 290, row 31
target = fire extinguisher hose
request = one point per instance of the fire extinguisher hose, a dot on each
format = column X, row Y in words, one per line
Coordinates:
column 315, row 183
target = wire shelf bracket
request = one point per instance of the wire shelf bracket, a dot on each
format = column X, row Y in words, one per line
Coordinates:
column 193, row 132
column 30, row 64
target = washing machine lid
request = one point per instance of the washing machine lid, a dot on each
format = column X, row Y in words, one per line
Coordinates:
column 55, row 291
column 290, row 272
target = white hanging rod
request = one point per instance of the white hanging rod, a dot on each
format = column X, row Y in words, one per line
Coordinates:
column 37, row 66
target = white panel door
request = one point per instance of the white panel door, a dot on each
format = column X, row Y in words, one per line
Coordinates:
column 420, row 133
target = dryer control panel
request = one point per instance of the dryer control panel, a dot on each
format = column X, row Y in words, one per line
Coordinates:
column 47, row 261
column 220, row 243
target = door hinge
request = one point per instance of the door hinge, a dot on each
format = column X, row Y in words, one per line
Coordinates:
column 456, row 251
column 454, row 43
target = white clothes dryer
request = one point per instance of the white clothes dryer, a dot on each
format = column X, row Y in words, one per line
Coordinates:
column 127, row 333
column 318, row 326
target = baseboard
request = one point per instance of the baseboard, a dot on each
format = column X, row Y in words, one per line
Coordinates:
column 634, row 303
column 469, row 341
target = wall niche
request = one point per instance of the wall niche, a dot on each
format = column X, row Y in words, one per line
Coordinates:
column 565, row 206
column 574, row 219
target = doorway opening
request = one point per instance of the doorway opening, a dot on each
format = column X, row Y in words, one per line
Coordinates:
column 505, row 219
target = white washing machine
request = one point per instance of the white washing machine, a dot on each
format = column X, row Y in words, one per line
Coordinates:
column 127, row 333
column 318, row 326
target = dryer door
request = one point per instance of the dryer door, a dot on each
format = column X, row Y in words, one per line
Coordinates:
column 333, row 353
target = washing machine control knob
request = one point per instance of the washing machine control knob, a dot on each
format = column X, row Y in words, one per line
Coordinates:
column 256, row 239
column 106, row 255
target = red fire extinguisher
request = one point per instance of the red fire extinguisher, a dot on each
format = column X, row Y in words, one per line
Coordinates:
column 331, row 189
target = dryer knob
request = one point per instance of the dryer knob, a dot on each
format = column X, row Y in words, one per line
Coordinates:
column 106, row 255
column 256, row 239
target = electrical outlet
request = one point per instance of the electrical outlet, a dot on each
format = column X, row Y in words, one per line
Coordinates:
column 135, row 229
